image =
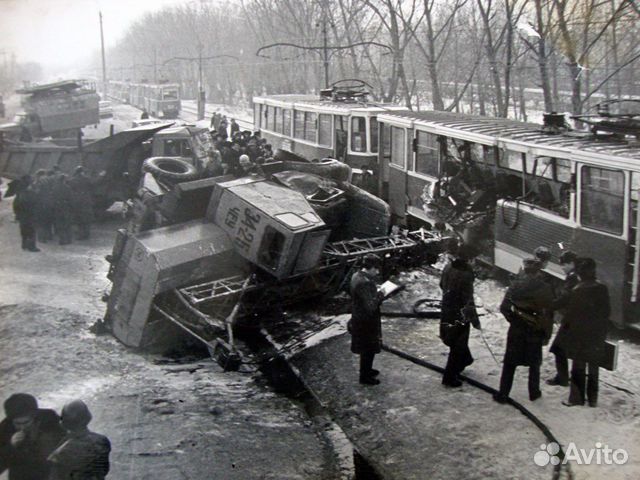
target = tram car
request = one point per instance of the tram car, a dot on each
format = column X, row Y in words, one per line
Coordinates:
column 159, row 100
column 340, row 123
column 516, row 186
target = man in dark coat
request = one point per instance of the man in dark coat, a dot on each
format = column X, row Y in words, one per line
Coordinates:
column 83, row 455
column 234, row 127
column 458, row 311
column 586, row 321
column 365, row 326
column 28, row 435
column 24, row 207
column 527, row 307
column 568, row 264
column 62, row 208
column 82, row 199
column 44, row 221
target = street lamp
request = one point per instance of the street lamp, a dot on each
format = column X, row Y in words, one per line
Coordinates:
column 200, row 59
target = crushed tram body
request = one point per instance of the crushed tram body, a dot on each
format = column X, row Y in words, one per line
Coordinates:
column 513, row 186
column 161, row 100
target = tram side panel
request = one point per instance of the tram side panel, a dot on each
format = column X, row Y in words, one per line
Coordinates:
column 519, row 229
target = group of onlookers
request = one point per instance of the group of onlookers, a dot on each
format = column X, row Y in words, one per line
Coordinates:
column 50, row 204
column 581, row 304
column 39, row 444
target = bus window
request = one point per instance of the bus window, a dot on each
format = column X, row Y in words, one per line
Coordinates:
column 286, row 122
column 602, row 199
column 358, row 134
column 278, row 120
column 271, row 247
column 427, row 154
column 373, row 126
column 298, row 124
column 324, row 129
column 310, row 126
column 398, row 144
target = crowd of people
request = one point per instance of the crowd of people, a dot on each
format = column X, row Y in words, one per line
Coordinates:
column 581, row 305
column 50, row 205
column 39, row 444
column 236, row 152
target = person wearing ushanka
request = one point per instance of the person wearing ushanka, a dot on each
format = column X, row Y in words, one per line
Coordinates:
column 28, row 435
column 586, row 321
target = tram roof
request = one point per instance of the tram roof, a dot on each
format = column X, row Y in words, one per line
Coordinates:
column 314, row 102
column 494, row 131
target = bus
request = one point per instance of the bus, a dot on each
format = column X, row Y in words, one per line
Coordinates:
column 159, row 100
column 335, row 124
column 515, row 186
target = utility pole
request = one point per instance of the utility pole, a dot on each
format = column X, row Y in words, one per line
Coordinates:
column 104, row 62
column 201, row 94
column 155, row 65
column 325, row 48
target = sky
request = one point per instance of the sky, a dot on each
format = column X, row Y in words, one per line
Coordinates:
column 59, row 33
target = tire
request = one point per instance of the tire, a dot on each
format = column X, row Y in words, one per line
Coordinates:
column 169, row 168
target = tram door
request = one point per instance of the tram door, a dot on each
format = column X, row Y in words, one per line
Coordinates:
column 398, row 171
column 341, row 123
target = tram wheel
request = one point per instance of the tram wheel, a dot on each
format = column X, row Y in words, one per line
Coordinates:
column 172, row 169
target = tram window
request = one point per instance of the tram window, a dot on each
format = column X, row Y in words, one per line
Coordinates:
column 490, row 155
column 170, row 94
column 358, row 134
column 286, row 121
column 265, row 119
column 398, row 144
column 256, row 114
column 278, row 120
column 563, row 170
column 298, row 124
column 476, row 151
column 311, row 126
column 271, row 248
column 272, row 118
column 373, row 126
column 427, row 154
column 602, row 199
column 544, row 167
column 324, row 130
column 511, row 160
column 386, row 140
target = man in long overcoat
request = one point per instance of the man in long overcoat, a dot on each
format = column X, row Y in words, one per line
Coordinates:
column 82, row 199
column 458, row 312
column 24, row 207
column 527, row 307
column 365, row 326
column 568, row 264
column 586, row 322
column 62, row 208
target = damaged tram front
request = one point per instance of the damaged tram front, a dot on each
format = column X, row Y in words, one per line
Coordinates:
column 512, row 186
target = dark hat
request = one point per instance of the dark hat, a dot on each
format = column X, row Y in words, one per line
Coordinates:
column 542, row 253
column 466, row 252
column 370, row 260
column 79, row 169
column 586, row 267
column 20, row 405
column 75, row 415
column 568, row 257
column 531, row 264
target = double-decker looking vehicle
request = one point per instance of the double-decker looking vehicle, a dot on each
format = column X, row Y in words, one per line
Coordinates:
column 160, row 100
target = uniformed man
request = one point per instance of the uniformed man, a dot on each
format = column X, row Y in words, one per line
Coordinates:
column 365, row 326
column 83, row 455
column 458, row 312
column 28, row 435
column 527, row 307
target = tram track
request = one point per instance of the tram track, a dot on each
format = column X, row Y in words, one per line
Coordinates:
column 288, row 351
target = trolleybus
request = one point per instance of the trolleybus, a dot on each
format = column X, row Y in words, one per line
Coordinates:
column 160, row 100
